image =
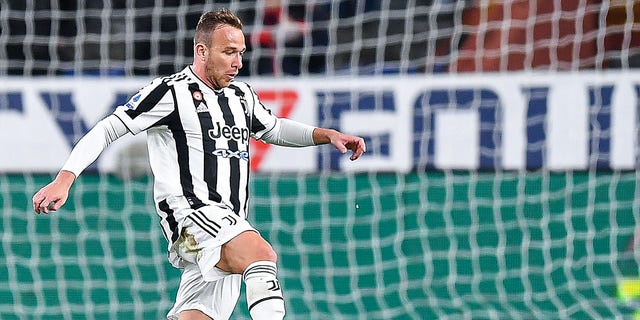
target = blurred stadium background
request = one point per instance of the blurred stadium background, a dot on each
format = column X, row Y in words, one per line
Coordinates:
column 501, row 179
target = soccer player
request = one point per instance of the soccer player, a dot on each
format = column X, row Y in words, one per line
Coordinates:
column 198, row 123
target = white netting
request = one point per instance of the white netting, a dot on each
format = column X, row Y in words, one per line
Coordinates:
column 321, row 37
column 417, row 246
column 426, row 243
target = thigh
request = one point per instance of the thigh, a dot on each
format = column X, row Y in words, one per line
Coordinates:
column 215, row 299
column 243, row 250
column 203, row 234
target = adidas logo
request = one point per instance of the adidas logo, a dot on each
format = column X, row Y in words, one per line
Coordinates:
column 202, row 108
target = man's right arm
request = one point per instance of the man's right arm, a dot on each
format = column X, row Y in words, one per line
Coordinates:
column 52, row 196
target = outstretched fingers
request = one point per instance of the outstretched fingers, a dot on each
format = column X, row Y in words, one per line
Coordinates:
column 342, row 142
column 358, row 147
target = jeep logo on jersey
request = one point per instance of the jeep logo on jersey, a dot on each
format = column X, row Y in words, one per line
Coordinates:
column 229, row 132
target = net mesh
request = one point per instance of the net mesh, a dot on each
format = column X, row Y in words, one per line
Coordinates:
column 291, row 37
column 445, row 244
column 416, row 246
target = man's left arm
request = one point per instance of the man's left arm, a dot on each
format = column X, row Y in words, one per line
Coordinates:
column 291, row 133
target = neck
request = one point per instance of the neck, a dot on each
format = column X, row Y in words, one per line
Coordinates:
column 200, row 72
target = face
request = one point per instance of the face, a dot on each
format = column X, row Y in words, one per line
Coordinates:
column 223, row 59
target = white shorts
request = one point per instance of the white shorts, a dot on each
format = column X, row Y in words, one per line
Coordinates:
column 203, row 286
column 217, row 299
column 203, row 232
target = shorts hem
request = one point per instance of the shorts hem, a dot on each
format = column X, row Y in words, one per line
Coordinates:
column 174, row 315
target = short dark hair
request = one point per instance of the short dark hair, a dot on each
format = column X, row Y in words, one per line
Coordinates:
column 210, row 21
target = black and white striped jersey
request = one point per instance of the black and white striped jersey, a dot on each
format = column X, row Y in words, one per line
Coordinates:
column 198, row 140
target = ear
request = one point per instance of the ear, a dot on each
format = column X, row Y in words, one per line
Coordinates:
column 201, row 51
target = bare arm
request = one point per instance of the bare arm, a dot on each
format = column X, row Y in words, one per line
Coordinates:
column 342, row 142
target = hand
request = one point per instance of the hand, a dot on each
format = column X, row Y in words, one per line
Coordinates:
column 345, row 142
column 54, row 195
column 342, row 142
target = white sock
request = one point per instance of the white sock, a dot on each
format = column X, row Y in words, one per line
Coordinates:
column 264, row 296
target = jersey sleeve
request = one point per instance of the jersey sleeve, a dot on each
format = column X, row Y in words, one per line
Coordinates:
column 147, row 107
column 262, row 119
column 93, row 143
column 289, row 133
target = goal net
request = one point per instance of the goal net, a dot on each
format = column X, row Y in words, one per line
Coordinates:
column 500, row 179
column 347, row 37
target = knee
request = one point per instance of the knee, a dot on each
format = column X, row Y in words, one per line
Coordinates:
column 244, row 250
column 273, row 257
column 266, row 253
column 258, row 253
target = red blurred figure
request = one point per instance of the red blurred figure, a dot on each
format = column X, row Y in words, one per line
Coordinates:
column 556, row 35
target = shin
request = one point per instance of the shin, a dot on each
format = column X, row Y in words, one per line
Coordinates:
column 264, row 296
